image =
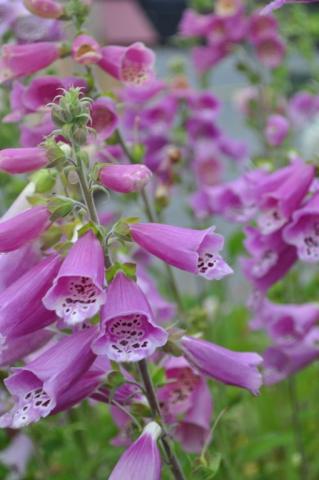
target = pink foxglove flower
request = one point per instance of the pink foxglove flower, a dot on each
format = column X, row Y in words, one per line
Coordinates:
column 186, row 402
column 280, row 194
column 21, row 308
column 14, row 264
column 17, row 455
column 303, row 230
column 196, row 251
column 226, row 366
column 277, row 129
column 78, row 290
column 125, row 178
column 86, row 50
column 44, row 8
column 17, row 348
column 128, row 332
column 260, row 25
column 270, row 49
column 23, row 228
column 271, row 258
column 193, row 24
column 104, row 117
column 37, row 387
column 22, row 60
column 131, row 65
column 22, row 160
column 142, row 457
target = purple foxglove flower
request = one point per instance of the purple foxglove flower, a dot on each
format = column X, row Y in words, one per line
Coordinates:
column 226, row 366
column 281, row 193
column 271, row 258
column 34, row 135
column 17, row 348
column 23, row 228
column 204, row 100
column 78, row 290
column 22, row 160
column 17, row 456
column 201, row 125
column 18, row 110
column 22, row 60
column 8, row 14
column 260, row 25
column 277, row 129
column 125, row 178
column 207, row 163
column 282, row 361
column 274, row 5
column 196, row 251
column 86, row 50
column 303, row 106
column 44, row 8
column 143, row 93
column 186, row 401
column 131, row 65
column 286, row 323
column 21, row 309
column 142, row 457
column 84, row 386
column 14, row 264
column 104, row 117
column 37, row 386
column 193, row 24
column 43, row 90
column 303, row 230
column 128, row 332
column 163, row 310
column 28, row 29
column 270, row 49
column 234, row 149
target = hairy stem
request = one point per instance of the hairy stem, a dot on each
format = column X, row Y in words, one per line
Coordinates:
column 165, row 441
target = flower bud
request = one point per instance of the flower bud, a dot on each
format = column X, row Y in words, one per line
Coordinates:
column 125, row 178
column 44, row 8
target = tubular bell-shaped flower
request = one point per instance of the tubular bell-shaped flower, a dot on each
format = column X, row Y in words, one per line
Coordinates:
column 125, row 178
column 78, row 290
column 86, row 50
column 23, row 228
column 44, row 8
column 142, row 459
column 104, row 117
column 131, row 65
column 21, row 308
column 128, row 332
column 196, row 251
column 226, row 366
column 21, row 60
column 17, row 348
column 303, row 231
column 22, row 160
column 14, row 264
column 37, row 387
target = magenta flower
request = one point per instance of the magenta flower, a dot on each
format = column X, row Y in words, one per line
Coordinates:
column 8, row 14
column 271, row 258
column 303, row 106
column 193, row 24
column 260, row 25
column 196, row 251
column 186, row 401
column 86, row 50
column 128, row 332
column 37, row 387
column 23, row 228
column 226, row 366
column 125, row 178
column 78, row 290
column 43, row 90
column 280, row 194
column 22, row 60
column 277, row 129
column 142, row 457
column 44, row 8
column 131, row 65
column 22, row 160
column 104, row 117
column 303, row 230
column 270, row 49
column 32, row 136
column 17, row 348
column 18, row 109
column 208, row 56
column 14, row 264
column 17, row 455
column 21, row 309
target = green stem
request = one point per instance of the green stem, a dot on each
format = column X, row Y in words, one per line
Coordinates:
column 165, row 441
column 297, row 426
